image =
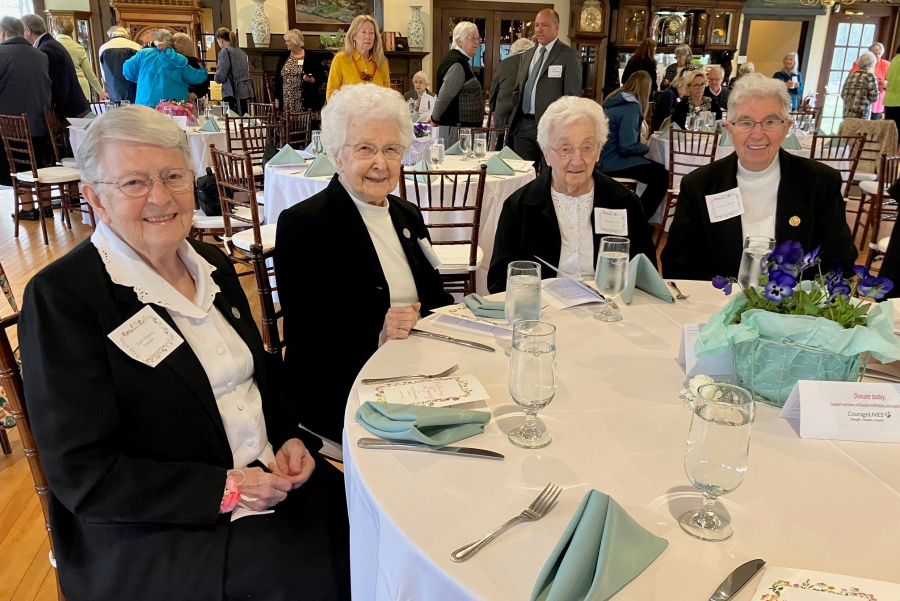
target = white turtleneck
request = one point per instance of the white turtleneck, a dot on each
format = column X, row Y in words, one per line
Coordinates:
column 759, row 193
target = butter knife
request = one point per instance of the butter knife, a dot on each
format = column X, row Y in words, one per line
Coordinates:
column 737, row 579
column 377, row 443
column 469, row 343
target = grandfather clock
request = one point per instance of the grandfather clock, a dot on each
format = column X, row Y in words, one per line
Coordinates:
column 588, row 28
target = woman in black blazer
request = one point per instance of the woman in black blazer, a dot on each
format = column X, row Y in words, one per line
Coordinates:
column 352, row 272
column 530, row 222
column 313, row 74
column 145, row 459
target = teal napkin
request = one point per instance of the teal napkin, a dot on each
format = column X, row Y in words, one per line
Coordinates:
column 601, row 551
column 286, row 156
column 414, row 116
column 791, row 143
column 455, row 149
column 485, row 308
column 724, row 138
column 434, row 426
column 507, row 154
column 642, row 274
column 90, row 115
column 497, row 166
column 666, row 132
column 320, row 167
column 210, row 126
column 422, row 165
column 231, row 113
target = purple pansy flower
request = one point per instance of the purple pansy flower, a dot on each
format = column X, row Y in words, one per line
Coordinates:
column 723, row 284
column 787, row 257
column 781, row 285
column 811, row 258
column 874, row 287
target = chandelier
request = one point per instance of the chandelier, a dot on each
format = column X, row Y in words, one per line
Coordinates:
column 825, row 3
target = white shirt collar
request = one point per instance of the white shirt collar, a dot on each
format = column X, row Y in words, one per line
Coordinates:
column 549, row 46
column 38, row 40
column 126, row 268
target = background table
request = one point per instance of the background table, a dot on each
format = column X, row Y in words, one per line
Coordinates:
column 285, row 187
column 618, row 426
column 659, row 152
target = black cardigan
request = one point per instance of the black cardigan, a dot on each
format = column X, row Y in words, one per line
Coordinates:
column 528, row 226
column 312, row 100
column 200, row 89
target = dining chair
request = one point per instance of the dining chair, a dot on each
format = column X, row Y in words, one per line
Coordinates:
column 98, row 108
column 841, row 153
column 881, row 207
column 213, row 226
column 881, row 140
column 262, row 110
column 497, row 137
column 247, row 241
column 64, row 155
column 810, row 117
column 11, row 381
column 687, row 151
column 297, row 129
column 453, row 219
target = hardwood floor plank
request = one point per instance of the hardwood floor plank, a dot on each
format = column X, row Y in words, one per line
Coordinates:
column 34, row 576
column 19, row 549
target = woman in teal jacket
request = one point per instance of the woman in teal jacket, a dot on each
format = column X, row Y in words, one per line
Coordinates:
column 160, row 72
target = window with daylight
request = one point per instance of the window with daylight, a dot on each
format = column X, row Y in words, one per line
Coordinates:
column 16, row 8
column 850, row 40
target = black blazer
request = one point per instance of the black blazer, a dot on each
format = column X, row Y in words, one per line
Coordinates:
column 312, row 65
column 200, row 89
column 528, row 226
column 334, row 295
column 68, row 98
column 679, row 113
column 24, row 85
column 136, row 457
column 809, row 192
column 503, row 84
column 548, row 89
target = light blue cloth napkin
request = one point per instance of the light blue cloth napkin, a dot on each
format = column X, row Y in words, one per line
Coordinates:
column 434, row 426
column 485, row 308
column 507, row 154
column 231, row 113
column 309, row 148
column 90, row 115
column 455, row 149
column 791, row 143
column 210, row 126
column 321, row 167
column 497, row 166
column 414, row 116
column 666, row 132
column 642, row 274
column 286, row 156
column 724, row 138
column 422, row 165
column 601, row 551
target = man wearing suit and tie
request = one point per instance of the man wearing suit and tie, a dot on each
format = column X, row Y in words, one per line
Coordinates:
column 546, row 72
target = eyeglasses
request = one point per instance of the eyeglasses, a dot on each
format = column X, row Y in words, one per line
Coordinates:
column 391, row 152
column 137, row 185
column 697, row 85
column 746, row 125
column 568, row 150
column 475, row 39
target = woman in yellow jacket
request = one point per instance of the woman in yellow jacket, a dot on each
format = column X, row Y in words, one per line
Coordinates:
column 362, row 60
column 65, row 28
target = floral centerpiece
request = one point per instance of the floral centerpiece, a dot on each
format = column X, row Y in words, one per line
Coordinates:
column 789, row 329
column 421, row 130
column 420, row 143
column 180, row 108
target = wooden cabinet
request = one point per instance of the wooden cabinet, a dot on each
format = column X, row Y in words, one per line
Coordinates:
column 588, row 29
column 84, row 32
column 141, row 16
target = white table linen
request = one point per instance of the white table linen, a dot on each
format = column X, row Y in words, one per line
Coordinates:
column 618, row 426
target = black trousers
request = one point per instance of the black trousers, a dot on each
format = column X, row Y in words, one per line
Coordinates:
column 524, row 135
column 893, row 113
column 657, row 179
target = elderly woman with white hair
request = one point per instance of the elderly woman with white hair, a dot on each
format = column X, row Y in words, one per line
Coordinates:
column 793, row 80
column 112, row 55
column 880, row 72
column 160, row 72
column 420, row 88
column 459, row 100
column 861, row 89
column 376, row 272
column 503, row 83
column 297, row 77
column 553, row 217
column 191, row 479
column 780, row 195
column 681, row 66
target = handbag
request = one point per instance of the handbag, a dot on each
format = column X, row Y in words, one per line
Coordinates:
column 207, row 193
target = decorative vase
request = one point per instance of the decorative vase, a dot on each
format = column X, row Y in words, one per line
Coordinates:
column 260, row 26
column 415, row 29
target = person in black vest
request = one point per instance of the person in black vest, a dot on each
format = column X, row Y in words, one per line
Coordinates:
column 68, row 99
column 113, row 55
column 459, row 100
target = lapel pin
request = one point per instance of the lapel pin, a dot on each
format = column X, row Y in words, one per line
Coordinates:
column 406, row 233
column 236, row 313
column 794, row 221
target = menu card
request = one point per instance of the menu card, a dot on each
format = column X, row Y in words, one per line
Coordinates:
column 459, row 317
column 791, row 584
column 440, row 392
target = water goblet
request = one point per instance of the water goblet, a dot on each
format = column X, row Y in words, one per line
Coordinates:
column 124, row 102
column 612, row 273
column 480, row 145
column 465, row 141
column 755, row 250
column 532, row 378
column 316, row 141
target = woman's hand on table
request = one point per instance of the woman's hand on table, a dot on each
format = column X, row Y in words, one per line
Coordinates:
column 266, row 490
column 293, row 462
column 398, row 322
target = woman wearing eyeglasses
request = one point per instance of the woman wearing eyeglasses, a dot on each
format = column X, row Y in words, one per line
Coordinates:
column 375, row 274
column 553, row 217
column 694, row 101
column 362, row 59
column 459, row 99
column 772, row 193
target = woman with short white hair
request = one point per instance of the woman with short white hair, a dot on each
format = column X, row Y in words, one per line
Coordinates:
column 553, row 216
column 459, row 100
column 420, row 87
column 681, row 66
column 793, row 80
column 880, row 72
column 376, row 273
column 861, row 89
column 125, row 491
column 297, row 77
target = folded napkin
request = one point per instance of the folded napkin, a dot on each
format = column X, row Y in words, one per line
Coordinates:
column 286, row 156
column 231, row 113
column 309, row 149
column 321, row 167
column 724, row 138
column 414, row 116
column 666, row 132
column 434, row 426
column 791, row 143
column 642, row 274
column 210, row 126
column 508, row 154
column 455, row 149
column 485, row 308
column 90, row 115
column 601, row 550
column 497, row 166
column 422, row 165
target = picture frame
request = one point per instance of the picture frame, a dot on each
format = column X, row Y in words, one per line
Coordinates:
column 311, row 15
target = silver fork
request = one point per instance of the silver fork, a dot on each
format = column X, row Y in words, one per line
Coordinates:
column 680, row 295
column 443, row 374
column 541, row 507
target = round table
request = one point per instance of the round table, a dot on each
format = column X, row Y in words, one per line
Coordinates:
column 619, row 427
column 285, row 187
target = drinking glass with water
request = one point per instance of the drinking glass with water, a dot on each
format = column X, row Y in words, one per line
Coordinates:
column 480, row 145
column 316, row 141
column 532, row 378
column 755, row 250
column 523, row 292
column 612, row 273
column 465, row 141
column 437, row 153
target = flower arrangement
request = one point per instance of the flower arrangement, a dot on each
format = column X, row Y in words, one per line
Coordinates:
column 421, row 130
column 180, row 108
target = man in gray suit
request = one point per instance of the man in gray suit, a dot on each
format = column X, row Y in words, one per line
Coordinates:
column 503, row 84
column 548, row 71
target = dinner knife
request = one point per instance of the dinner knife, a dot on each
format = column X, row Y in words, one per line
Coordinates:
column 377, row 443
column 469, row 343
column 737, row 579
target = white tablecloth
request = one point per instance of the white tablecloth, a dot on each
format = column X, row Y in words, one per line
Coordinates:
column 618, row 426
column 659, row 152
column 285, row 187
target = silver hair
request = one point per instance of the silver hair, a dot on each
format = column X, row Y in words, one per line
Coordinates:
column 681, row 80
column 796, row 69
column 462, row 30
column 714, row 69
column 566, row 111
column 520, row 46
column 134, row 123
column 294, row 36
column 755, row 86
column 35, row 23
column 164, row 37
column 12, row 27
column 424, row 76
column 866, row 61
column 117, row 31
column 684, row 50
column 877, row 47
column 362, row 103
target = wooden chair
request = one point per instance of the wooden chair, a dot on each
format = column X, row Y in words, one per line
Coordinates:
column 235, row 139
column 269, row 87
column 39, row 181
column 456, row 216
column 297, row 129
column 497, row 137
column 98, row 108
column 687, row 151
column 64, row 155
column 262, row 110
column 11, row 380
column 841, row 153
column 881, row 207
column 203, row 225
column 810, row 117
column 255, row 244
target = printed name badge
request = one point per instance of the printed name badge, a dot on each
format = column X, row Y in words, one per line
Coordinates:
column 432, row 257
column 611, row 221
column 554, row 71
column 724, row 205
column 146, row 337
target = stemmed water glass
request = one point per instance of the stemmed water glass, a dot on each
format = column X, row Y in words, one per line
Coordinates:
column 715, row 458
column 612, row 274
column 480, row 145
column 755, row 250
column 532, row 378
column 124, row 102
column 465, row 141
column 316, row 142
column 437, row 153
column 523, row 293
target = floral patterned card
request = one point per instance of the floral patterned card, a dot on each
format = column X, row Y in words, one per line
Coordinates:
column 440, row 392
column 791, row 584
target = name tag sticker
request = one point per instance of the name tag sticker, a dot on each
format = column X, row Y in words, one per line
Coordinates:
column 611, row 221
column 432, row 257
column 146, row 337
column 554, row 71
column 724, row 205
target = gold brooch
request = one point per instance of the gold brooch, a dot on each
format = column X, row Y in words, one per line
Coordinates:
column 794, row 221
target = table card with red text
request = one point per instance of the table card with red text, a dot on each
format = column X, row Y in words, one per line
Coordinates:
column 791, row 584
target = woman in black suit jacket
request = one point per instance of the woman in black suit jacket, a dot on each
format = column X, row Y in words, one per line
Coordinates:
column 351, row 268
column 530, row 224
column 313, row 73
column 137, row 454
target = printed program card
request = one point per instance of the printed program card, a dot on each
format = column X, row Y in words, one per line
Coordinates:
column 791, row 584
column 562, row 293
column 440, row 392
column 459, row 317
